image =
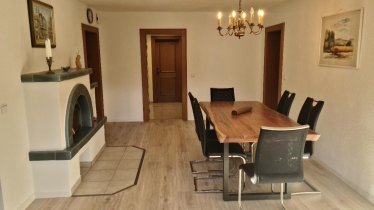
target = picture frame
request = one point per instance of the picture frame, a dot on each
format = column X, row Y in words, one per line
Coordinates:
column 340, row 43
column 42, row 23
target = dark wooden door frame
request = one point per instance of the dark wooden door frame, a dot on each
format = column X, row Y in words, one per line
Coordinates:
column 99, row 86
column 143, row 51
column 279, row 27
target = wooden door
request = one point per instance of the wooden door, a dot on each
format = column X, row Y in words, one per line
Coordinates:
column 92, row 60
column 166, row 69
column 272, row 86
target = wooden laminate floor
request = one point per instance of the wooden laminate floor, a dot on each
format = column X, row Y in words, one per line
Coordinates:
column 165, row 181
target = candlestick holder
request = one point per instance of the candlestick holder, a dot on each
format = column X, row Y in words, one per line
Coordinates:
column 49, row 62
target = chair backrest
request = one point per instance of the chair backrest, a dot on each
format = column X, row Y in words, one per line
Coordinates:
column 222, row 94
column 285, row 102
column 304, row 113
column 199, row 123
column 309, row 115
column 279, row 154
column 193, row 110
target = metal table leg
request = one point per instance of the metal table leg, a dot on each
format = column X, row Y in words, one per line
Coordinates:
column 226, row 171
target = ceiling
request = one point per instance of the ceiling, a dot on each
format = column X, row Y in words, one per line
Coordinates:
column 178, row 5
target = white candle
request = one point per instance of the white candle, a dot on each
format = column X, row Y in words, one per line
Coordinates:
column 244, row 16
column 48, row 49
column 260, row 14
column 251, row 16
column 233, row 14
column 219, row 17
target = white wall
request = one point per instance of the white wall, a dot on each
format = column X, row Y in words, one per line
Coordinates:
column 211, row 60
column 347, row 142
column 1, row 198
column 17, row 57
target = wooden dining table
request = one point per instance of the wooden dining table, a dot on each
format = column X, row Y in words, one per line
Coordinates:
column 243, row 128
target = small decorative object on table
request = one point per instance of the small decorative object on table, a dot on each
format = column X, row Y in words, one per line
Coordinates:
column 241, row 110
column 48, row 54
column 78, row 61
column 66, row 68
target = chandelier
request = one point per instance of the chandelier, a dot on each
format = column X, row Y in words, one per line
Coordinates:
column 238, row 23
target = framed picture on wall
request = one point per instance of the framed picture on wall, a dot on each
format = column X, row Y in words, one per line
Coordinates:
column 341, row 39
column 42, row 25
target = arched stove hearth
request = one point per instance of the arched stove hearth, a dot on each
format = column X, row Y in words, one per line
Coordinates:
column 62, row 132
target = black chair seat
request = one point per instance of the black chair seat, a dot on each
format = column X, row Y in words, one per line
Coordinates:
column 248, row 168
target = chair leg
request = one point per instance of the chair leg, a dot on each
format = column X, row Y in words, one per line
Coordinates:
column 314, row 192
column 240, row 189
column 253, row 152
column 281, row 196
column 244, row 162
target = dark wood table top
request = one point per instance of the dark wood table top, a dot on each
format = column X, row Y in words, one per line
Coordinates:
column 246, row 127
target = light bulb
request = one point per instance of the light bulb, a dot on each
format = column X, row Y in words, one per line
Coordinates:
column 261, row 13
column 219, row 15
column 233, row 14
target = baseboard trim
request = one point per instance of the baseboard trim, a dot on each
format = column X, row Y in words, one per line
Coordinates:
column 27, row 202
column 88, row 164
column 76, row 184
column 363, row 193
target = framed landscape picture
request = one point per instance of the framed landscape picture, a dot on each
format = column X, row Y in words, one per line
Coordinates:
column 42, row 25
column 341, row 39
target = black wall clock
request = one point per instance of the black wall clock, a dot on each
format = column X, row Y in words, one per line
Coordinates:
column 90, row 15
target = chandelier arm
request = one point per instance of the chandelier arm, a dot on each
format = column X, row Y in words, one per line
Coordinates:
column 220, row 30
column 230, row 32
column 257, row 32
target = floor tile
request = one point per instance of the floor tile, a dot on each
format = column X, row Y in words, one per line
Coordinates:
column 129, row 164
column 111, row 155
column 133, row 149
column 115, row 186
column 116, row 169
column 133, row 155
column 101, row 175
column 125, row 175
column 115, row 149
column 91, row 188
column 105, row 165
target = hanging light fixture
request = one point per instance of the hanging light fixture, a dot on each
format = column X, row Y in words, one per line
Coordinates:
column 238, row 23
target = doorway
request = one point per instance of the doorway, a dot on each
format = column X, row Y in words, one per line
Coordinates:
column 164, row 77
column 273, row 66
column 91, row 46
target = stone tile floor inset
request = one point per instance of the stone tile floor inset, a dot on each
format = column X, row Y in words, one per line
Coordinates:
column 105, row 165
column 124, row 175
column 129, row 164
column 116, row 169
column 91, row 188
column 133, row 155
column 99, row 176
